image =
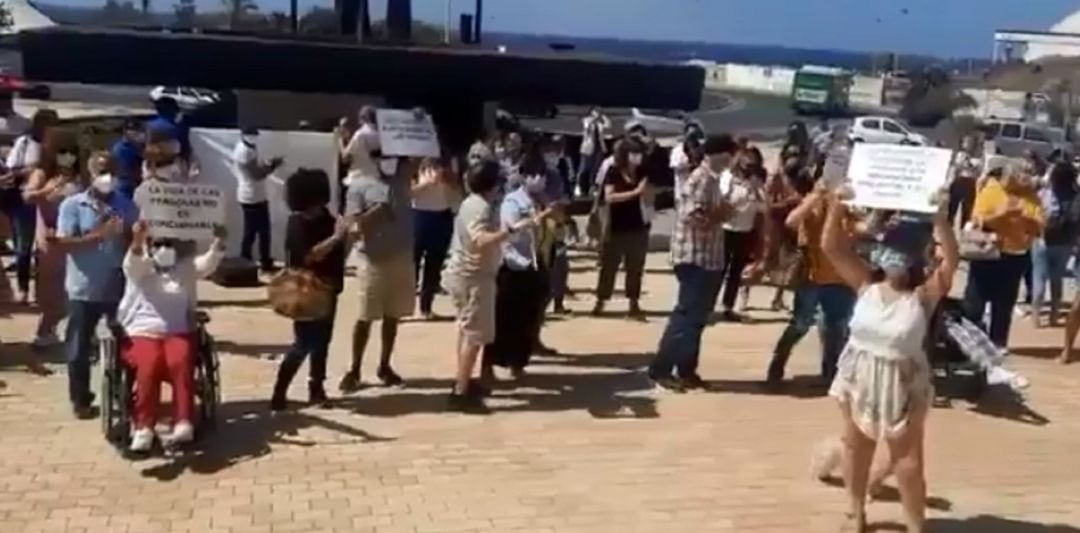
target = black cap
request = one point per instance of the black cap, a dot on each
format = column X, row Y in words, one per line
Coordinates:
column 249, row 130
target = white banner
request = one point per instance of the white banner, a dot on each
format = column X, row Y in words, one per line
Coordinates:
column 187, row 211
column 407, row 133
column 903, row 178
column 299, row 149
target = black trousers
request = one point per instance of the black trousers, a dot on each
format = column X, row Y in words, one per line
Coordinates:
column 961, row 199
column 257, row 225
column 520, row 298
column 736, row 253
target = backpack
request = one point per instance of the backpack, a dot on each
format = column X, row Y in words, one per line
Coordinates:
column 1063, row 223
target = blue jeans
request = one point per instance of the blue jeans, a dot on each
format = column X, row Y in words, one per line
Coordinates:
column 83, row 318
column 560, row 272
column 23, row 219
column 995, row 282
column 310, row 339
column 837, row 302
column 1049, row 265
column 680, row 346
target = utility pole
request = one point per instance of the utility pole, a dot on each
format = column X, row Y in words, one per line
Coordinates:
column 449, row 18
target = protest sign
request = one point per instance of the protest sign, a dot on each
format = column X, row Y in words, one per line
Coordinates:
column 407, row 133
column 186, row 211
column 903, row 178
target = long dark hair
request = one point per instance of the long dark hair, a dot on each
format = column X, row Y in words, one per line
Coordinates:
column 1063, row 182
column 623, row 149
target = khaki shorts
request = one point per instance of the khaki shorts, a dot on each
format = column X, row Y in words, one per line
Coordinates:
column 387, row 287
column 475, row 302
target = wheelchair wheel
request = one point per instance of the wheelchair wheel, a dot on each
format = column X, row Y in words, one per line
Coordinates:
column 115, row 393
column 207, row 381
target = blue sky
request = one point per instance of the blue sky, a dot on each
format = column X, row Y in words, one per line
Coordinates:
column 940, row 27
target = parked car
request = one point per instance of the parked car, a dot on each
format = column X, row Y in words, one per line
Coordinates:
column 884, row 130
column 186, row 97
column 19, row 85
column 1012, row 138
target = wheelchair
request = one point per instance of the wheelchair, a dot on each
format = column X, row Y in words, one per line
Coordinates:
column 117, row 383
column 950, row 365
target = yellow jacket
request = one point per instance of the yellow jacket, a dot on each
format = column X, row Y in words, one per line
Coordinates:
column 1017, row 231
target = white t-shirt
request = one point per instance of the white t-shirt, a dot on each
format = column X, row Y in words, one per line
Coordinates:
column 25, row 153
column 434, row 197
column 362, row 143
column 746, row 200
column 248, row 189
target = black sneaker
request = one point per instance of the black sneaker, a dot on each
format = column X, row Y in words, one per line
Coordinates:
column 350, row 383
column 732, row 316
column 84, row 412
column 465, row 403
column 389, row 378
column 279, row 404
column 636, row 313
column 667, row 383
column 477, row 389
column 598, row 309
column 317, row 395
column 693, row 382
column 560, row 309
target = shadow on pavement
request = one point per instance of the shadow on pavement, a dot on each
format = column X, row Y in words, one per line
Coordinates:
column 253, row 350
column 1036, row 352
column 980, row 524
column 892, row 495
column 1002, row 402
column 21, row 354
column 801, row 387
column 624, row 393
column 244, row 431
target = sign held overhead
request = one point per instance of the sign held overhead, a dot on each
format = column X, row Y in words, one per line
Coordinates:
column 183, row 211
column 902, row 178
column 407, row 133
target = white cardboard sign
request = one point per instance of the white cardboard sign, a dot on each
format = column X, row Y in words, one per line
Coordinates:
column 186, row 211
column 903, row 178
column 407, row 133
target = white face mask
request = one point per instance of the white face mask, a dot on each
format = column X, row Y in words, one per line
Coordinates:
column 388, row 166
column 636, row 159
column 66, row 159
column 103, row 184
column 164, row 257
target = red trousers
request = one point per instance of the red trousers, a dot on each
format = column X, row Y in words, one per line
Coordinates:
column 156, row 360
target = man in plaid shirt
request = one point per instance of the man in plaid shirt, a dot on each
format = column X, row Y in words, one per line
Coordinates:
column 697, row 253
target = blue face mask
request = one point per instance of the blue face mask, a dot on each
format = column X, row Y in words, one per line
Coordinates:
column 891, row 261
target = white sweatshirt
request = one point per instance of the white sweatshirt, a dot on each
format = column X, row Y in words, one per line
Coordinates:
column 157, row 303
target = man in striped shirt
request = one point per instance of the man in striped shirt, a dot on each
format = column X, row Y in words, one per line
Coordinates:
column 697, row 253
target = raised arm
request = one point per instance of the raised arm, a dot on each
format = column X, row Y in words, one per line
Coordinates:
column 838, row 247
column 806, row 207
column 137, row 264
column 939, row 283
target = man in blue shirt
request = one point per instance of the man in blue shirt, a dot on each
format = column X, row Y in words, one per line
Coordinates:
column 127, row 156
column 92, row 228
column 170, row 122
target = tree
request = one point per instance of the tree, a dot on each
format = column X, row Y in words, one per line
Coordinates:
column 932, row 98
column 237, row 9
column 6, row 21
column 186, row 13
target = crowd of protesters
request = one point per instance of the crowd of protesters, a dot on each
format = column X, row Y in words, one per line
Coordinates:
column 492, row 230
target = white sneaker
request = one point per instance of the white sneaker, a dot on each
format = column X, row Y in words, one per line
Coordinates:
column 1000, row 375
column 183, row 432
column 163, row 431
column 142, row 440
column 46, row 341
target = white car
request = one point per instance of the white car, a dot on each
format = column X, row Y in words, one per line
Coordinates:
column 884, row 130
column 186, row 97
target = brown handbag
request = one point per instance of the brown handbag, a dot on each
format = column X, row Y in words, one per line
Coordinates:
column 299, row 294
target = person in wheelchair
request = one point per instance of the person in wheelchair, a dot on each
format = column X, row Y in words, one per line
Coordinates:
column 157, row 319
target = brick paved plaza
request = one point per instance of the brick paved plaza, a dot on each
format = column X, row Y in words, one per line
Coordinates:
column 582, row 445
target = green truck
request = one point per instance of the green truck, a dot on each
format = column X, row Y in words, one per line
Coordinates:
column 821, row 91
